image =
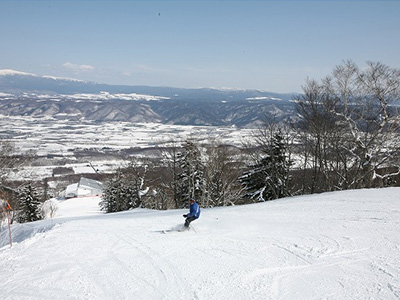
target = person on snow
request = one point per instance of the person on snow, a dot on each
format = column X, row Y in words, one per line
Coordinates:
column 194, row 213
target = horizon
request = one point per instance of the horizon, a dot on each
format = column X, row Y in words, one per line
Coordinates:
column 247, row 45
column 10, row 72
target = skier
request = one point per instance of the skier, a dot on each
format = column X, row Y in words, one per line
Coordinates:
column 194, row 213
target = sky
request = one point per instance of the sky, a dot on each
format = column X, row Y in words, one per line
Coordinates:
column 266, row 45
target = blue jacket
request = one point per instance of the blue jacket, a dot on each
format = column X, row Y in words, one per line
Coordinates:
column 194, row 210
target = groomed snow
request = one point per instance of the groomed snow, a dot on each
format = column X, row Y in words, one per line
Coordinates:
column 339, row 245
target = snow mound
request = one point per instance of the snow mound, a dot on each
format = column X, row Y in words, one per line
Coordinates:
column 22, row 232
column 74, row 207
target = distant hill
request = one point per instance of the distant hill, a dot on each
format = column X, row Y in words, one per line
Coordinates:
column 25, row 94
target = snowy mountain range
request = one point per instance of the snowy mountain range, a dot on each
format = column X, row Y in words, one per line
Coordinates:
column 26, row 94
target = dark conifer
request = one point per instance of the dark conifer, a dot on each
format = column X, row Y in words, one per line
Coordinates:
column 29, row 204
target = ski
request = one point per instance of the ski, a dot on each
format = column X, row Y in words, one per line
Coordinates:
column 165, row 231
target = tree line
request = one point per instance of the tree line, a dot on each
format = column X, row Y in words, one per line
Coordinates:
column 346, row 136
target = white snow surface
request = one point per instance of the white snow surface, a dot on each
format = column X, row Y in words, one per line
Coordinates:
column 5, row 72
column 338, row 245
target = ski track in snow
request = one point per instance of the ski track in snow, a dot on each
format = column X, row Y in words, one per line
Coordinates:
column 339, row 245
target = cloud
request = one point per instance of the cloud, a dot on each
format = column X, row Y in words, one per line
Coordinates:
column 78, row 68
column 208, row 70
column 127, row 74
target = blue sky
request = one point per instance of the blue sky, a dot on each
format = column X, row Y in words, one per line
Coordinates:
column 266, row 45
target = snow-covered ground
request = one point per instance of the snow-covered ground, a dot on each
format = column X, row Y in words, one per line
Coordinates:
column 339, row 245
column 62, row 137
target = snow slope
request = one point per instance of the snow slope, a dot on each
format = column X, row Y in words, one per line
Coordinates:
column 339, row 245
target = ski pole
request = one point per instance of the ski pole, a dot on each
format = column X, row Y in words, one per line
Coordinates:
column 8, row 208
column 9, row 228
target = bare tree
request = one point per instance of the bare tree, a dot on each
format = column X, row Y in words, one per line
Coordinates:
column 318, row 133
column 169, row 184
column 349, row 127
column 364, row 99
column 221, row 173
column 8, row 159
column 49, row 208
column 11, row 160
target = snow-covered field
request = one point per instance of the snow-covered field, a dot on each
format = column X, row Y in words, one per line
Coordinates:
column 339, row 245
column 62, row 137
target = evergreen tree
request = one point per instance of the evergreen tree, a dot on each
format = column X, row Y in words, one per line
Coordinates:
column 268, row 177
column 29, row 204
column 191, row 178
column 124, row 191
column 114, row 197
